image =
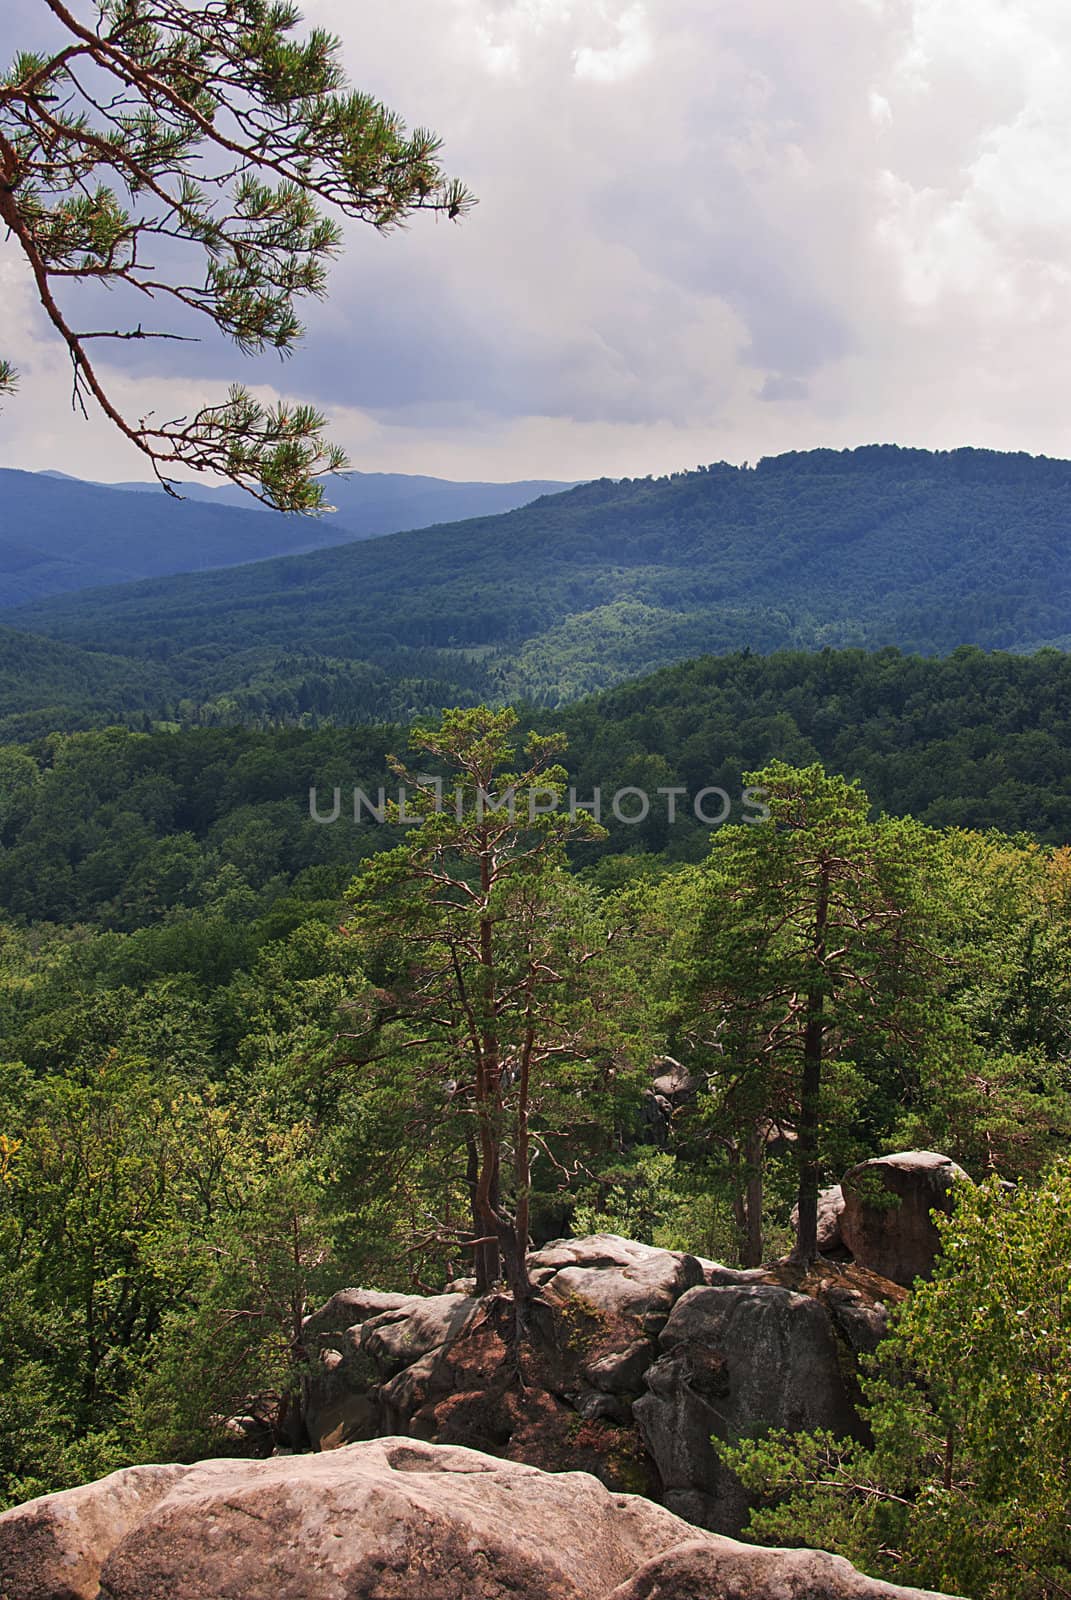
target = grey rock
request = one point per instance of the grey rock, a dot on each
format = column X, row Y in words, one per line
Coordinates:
column 722, row 1568
column 393, row 1519
column 347, row 1309
column 887, row 1221
column 396, row 1519
column 622, row 1371
column 830, row 1210
column 617, row 1277
column 737, row 1358
column 395, row 1339
column 673, row 1081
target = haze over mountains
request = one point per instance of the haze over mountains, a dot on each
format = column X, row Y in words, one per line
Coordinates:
column 59, row 535
column 604, row 582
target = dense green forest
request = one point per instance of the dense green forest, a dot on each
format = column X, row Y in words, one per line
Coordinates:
column 231, row 1068
column 122, row 827
column 581, row 590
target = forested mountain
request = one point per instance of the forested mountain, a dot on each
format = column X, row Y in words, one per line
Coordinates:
column 59, row 535
column 581, row 590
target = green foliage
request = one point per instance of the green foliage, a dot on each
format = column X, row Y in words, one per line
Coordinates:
column 580, row 591
column 493, row 973
column 228, row 1090
column 964, row 1485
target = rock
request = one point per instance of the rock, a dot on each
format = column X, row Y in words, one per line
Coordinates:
column 395, row 1339
column 619, row 1279
column 673, row 1081
column 722, row 1568
column 737, row 1358
column 438, row 1369
column 718, row 1276
column 887, row 1223
column 621, row 1371
column 391, row 1335
column 53, row 1548
column 395, row 1519
column 830, row 1209
column 347, row 1309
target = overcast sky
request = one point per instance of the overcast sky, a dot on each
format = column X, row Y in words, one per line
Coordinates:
column 708, row 229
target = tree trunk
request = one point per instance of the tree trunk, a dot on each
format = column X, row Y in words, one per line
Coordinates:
column 755, row 1155
column 485, row 1263
column 807, row 1133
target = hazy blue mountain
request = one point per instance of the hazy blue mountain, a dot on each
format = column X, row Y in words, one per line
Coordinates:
column 581, row 590
column 58, row 534
column 374, row 503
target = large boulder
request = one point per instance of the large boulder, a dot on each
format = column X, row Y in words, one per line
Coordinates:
column 438, row 1368
column 356, row 1344
column 737, row 1358
column 887, row 1221
column 394, row 1519
column 722, row 1569
column 600, row 1394
column 53, row 1548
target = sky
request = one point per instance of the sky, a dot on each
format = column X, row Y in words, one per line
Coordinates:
column 708, row 230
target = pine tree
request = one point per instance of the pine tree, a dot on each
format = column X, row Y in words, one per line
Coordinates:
column 202, row 124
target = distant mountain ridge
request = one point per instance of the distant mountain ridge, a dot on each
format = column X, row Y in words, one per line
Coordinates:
column 59, row 534
column 585, row 589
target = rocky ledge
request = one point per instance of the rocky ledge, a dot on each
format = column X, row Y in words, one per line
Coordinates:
column 636, row 1357
column 390, row 1519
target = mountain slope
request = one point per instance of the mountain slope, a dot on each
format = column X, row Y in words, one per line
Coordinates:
column 46, row 686
column 59, row 535
column 584, row 589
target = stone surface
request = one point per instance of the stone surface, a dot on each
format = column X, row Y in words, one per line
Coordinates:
column 722, row 1569
column 395, row 1519
column 600, row 1395
column 830, row 1210
column 887, row 1221
column 736, row 1358
column 395, row 1339
column 348, row 1396
column 673, row 1081
column 620, row 1279
column 53, row 1548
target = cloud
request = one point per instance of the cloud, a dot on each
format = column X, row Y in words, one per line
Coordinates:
column 705, row 230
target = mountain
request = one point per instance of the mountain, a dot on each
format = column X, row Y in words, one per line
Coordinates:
column 974, row 740
column 58, row 534
column 373, row 503
column 584, row 589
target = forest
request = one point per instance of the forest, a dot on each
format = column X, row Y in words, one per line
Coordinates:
column 584, row 589
column 534, row 1042
column 237, row 1070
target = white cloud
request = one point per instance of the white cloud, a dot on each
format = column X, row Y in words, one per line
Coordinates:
column 706, row 229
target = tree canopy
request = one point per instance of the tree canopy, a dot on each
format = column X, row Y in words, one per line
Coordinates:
column 191, row 154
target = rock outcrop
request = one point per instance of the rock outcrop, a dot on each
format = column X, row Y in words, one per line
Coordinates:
column 637, row 1356
column 887, row 1221
column 393, row 1519
column 737, row 1359
column 830, row 1210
